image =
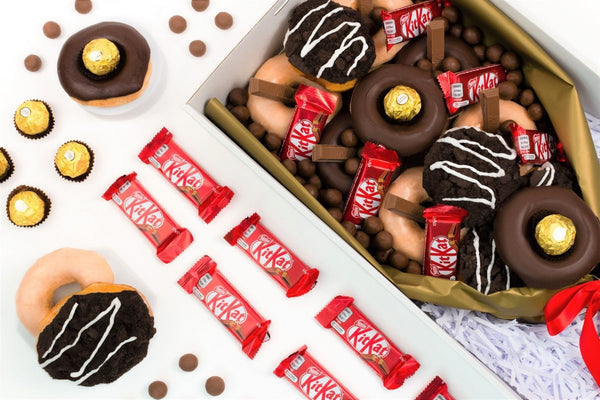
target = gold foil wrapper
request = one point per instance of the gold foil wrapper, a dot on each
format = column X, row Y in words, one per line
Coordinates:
column 402, row 103
column 26, row 208
column 555, row 234
column 72, row 159
column 32, row 117
column 100, row 56
column 4, row 165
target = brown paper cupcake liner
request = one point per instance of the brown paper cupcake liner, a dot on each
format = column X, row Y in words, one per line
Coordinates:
column 39, row 192
column 83, row 176
column 11, row 166
column 41, row 134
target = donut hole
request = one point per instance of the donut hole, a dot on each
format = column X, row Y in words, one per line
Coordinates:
column 392, row 121
column 530, row 234
column 111, row 74
column 64, row 291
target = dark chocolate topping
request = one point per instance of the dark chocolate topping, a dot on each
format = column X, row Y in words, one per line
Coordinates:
column 129, row 77
column 518, row 248
column 416, row 50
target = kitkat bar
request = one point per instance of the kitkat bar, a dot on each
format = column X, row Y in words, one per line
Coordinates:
column 314, row 381
column 442, row 240
column 157, row 226
column 462, row 88
column 270, row 254
column 219, row 296
column 436, row 390
column 533, row 147
column 408, row 22
column 313, row 106
column 370, row 182
column 186, row 175
column 392, row 365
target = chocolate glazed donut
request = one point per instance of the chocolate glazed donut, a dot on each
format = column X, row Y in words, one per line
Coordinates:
column 513, row 230
column 127, row 79
column 416, row 50
column 332, row 173
column 408, row 138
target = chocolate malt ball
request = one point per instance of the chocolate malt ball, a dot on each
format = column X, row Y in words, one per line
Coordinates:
column 508, row 90
column 336, row 213
column 215, row 385
column 382, row 255
column 200, row 5
column 456, row 30
column 451, row 64
column 238, row 96
column 290, row 165
column 188, row 362
column 348, row 138
column 480, row 50
column 32, row 63
column 535, row 111
column 177, row 24
column 306, row 168
column 51, row 30
column 414, row 267
column 527, row 97
column 197, row 48
column 350, row 227
column 425, row 65
column 157, row 389
column 351, row 165
column 510, row 60
column 505, row 130
column 516, row 76
column 223, row 20
column 332, row 197
column 372, row 225
column 272, row 141
column 472, row 35
column 494, row 53
column 241, row 113
column 452, row 14
column 315, row 180
column 383, row 240
column 300, row 180
column 397, row 260
column 257, row 130
column 363, row 239
column 312, row 190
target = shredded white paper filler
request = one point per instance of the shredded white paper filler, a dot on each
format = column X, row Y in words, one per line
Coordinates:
column 535, row 364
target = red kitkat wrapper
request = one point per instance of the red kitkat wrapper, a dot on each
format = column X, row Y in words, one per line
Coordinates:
column 207, row 283
column 370, row 182
column 442, row 240
column 436, row 390
column 462, row 88
column 270, row 254
column 408, row 22
column 312, row 108
column 383, row 356
column 157, row 226
column 185, row 174
column 314, row 381
column 533, row 147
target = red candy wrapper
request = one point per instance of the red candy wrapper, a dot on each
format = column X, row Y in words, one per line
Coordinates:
column 268, row 252
column 533, row 147
column 183, row 173
column 371, row 180
column 436, row 390
column 408, row 22
column 442, row 240
column 314, row 381
column 169, row 238
column 312, row 108
column 462, row 88
column 392, row 365
column 227, row 304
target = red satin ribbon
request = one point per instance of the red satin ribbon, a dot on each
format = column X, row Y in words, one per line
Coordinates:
column 564, row 306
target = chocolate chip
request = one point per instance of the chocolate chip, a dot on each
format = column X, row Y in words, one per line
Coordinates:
column 350, row 227
column 83, row 6
column 238, row 96
column 241, row 113
column 32, row 63
column 383, row 240
column 332, row 197
column 508, row 90
column 200, row 5
column 214, row 385
column 425, row 65
column 363, row 239
column 223, row 20
column 451, row 64
column 398, row 260
column 348, row 138
column 315, row 180
column 472, row 35
column 510, row 60
column 197, row 48
column 351, row 165
column 312, row 190
column 372, row 225
column 480, row 50
column 535, row 111
column 51, row 30
column 414, row 268
column 336, row 213
column 527, row 97
column 188, row 362
column 494, row 52
column 452, row 14
column 157, row 389
column 177, row 24
column 290, row 165
column 272, row 141
column 456, row 30
column 516, row 76
column 257, row 130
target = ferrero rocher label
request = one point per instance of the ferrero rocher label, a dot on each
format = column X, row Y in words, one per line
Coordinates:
column 26, row 208
column 402, row 103
column 32, row 117
column 100, row 56
column 72, row 159
column 555, row 234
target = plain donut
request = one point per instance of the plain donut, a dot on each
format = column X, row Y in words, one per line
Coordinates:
column 61, row 267
column 409, row 237
column 473, row 116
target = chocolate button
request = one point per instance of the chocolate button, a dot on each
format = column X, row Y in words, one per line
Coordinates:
column 215, row 385
column 157, row 389
column 223, row 20
column 51, row 30
column 188, row 362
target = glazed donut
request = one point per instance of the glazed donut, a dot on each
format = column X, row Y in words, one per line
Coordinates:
column 472, row 116
column 332, row 173
column 61, row 267
column 406, row 138
column 416, row 50
column 513, row 230
column 273, row 115
column 382, row 54
column 409, row 237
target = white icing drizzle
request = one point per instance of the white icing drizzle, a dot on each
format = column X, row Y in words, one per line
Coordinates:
column 113, row 308
column 489, row 269
column 548, row 177
column 64, row 327
column 490, row 265
column 454, row 168
column 478, row 268
column 348, row 41
column 507, row 277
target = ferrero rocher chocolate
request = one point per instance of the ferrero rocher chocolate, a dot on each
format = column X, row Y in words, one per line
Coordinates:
column 26, row 208
column 402, row 103
column 72, row 159
column 4, row 164
column 32, row 117
column 555, row 234
column 100, row 56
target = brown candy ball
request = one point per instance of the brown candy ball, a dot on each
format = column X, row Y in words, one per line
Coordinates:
column 472, row 35
column 223, row 20
column 527, row 97
column 51, row 30
column 312, row 190
column 306, row 168
column 188, row 362
column 535, row 111
column 451, row 64
column 456, row 30
column 257, row 130
column 215, row 385
column 200, row 5
column 290, row 165
column 504, row 129
column 372, row 225
column 383, row 240
column 516, row 76
column 494, row 52
column 398, row 260
column 351, row 165
column 336, row 213
column 197, row 48
column 348, row 138
column 425, row 65
column 315, row 180
column 332, row 197
column 177, row 24
column 359, row 151
column 382, row 255
column 437, row 72
column 510, row 60
column 480, row 50
column 32, row 63
column 83, row 6
column 508, row 90
column 363, row 239
column 414, row 268
column 300, row 179
column 350, row 227
column 272, row 141
column 241, row 113
column 452, row 14
column 157, row 389
column 238, row 96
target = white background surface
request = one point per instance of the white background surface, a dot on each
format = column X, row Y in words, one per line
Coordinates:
column 81, row 218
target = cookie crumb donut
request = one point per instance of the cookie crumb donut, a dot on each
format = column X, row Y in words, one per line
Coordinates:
column 514, row 230
column 408, row 235
column 509, row 110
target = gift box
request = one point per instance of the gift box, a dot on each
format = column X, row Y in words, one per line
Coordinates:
column 552, row 85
